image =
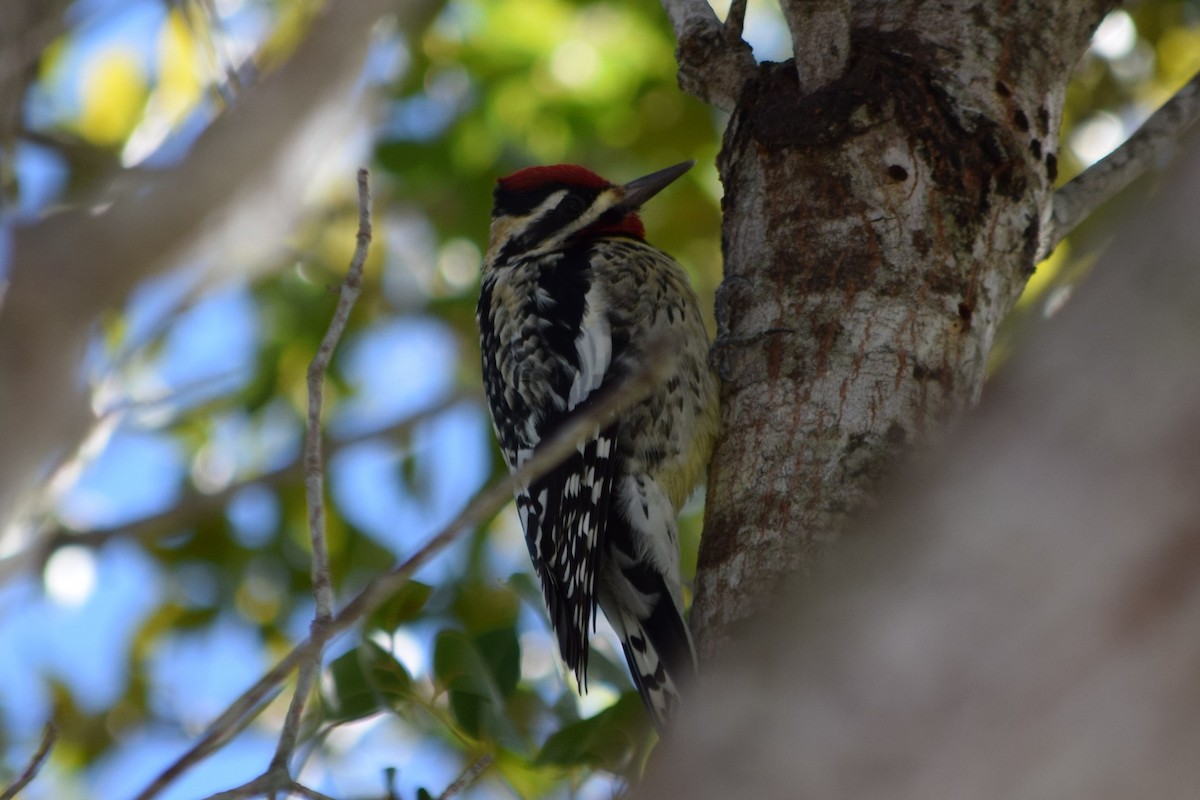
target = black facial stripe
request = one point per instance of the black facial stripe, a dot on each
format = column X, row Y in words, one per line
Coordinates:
column 572, row 205
column 508, row 203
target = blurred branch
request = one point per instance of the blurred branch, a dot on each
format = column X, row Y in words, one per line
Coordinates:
column 49, row 734
column 69, row 267
column 820, row 40
column 314, row 476
column 273, row 782
column 482, row 507
column 712, row 66
column 29, row 27
column 468, row 776
column 194, row 504
column 1149, row 148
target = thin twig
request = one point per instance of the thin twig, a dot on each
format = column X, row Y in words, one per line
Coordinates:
column 195, row 503
column 314, row 475
column 468, row 776
column 1149, row 148
column 49, row 734
column 483, row 506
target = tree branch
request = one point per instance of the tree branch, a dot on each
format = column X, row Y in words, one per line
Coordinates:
column 711, row 66
column 314, row 477
column 195, row 504
column 49, row 734
column 468, row 776
column 820, row 40
column 1149, row 148
column 484, row 505
column 69, row 267
column 270, row 783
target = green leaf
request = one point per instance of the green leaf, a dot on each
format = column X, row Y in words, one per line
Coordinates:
column 388, row 677
column 501, row 651
column 609, row 740
column 458, row 666
column 403, row 606
column 479, row 673
column 469, row 710
column 364, row 681
column 350, row 696
column 485, row 606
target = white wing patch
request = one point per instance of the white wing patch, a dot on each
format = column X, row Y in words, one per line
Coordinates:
column 650, row 513
column 594, row 348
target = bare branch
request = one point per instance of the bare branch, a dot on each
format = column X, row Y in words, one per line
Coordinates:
column 49, row 734
column 195, row 503
column 468, row 776
column 1149, row 148
column 272, row 782
column 300, row 790
column 711, row 66
column 484, row 505
column 820, row 40
column 314, row 476
column 314, row 468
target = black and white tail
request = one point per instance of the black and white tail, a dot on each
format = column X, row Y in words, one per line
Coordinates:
column 639, row 593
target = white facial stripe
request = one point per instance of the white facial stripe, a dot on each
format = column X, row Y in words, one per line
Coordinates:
column 516, row 226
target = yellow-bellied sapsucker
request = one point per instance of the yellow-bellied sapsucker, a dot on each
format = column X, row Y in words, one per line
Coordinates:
column 570, row 294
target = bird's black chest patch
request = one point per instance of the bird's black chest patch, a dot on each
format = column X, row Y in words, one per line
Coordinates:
column 561, row 301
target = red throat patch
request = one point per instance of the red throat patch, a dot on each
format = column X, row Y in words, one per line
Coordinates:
column 630, row 225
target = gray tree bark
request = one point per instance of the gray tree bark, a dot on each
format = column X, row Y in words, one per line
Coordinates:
column 877, row 229
column 1021, row 616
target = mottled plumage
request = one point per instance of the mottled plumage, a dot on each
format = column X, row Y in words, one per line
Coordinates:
column 570, row 293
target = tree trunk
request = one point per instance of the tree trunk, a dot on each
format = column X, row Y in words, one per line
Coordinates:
column 876, row 232
column 1021, row 617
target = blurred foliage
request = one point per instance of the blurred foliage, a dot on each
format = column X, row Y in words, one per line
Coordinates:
column 461, row 661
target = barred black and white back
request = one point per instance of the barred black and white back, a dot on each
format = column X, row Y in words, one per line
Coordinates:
column 570, row 291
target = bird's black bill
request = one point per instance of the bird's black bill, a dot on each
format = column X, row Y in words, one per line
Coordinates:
column 640, row 190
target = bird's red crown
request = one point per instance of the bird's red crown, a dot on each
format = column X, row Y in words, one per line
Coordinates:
column 569, row 175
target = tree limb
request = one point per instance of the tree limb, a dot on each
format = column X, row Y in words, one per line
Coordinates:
column 195, row 503
column 314, row 478
column 484, row 505
column 49, row 734
column 468, row 776
column 820, row 40
column 1149, row 148
column 711, row 65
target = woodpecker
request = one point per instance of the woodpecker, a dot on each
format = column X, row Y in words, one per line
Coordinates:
column 570, row 294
